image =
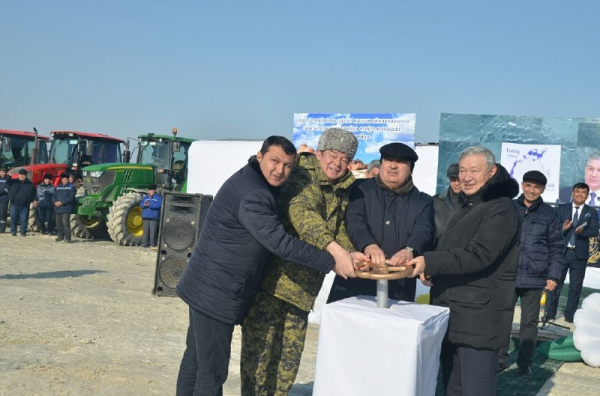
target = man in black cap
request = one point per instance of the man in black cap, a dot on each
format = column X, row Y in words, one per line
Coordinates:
column 445, row 202
column 151, row 204
column 63, row 199
column 21, row 195
column 540, row 264
column 388, row 218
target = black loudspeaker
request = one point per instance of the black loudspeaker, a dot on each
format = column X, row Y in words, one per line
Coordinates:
column 180, row 224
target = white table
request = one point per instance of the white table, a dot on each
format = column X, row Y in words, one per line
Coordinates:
column 364, row 350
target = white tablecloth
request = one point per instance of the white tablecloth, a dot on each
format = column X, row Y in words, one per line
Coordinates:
column 364, row 350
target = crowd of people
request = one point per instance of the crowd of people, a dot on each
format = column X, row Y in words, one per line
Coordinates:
column 282, row 222
column 55, row 205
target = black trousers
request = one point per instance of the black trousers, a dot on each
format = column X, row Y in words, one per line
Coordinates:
column 3, row 216
column 46, row 216
column 528, row 330
column 576, row 269
column 205, row 363
column 468, row 371
column 63, row 226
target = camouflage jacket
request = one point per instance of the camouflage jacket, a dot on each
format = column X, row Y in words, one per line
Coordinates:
column 313, row 209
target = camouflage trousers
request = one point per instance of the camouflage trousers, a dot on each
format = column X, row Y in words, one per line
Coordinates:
column 273, row 336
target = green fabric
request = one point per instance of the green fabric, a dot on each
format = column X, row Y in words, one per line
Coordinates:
column 560, row 349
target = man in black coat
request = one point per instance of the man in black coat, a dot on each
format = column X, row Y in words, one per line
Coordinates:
column 242, row 228
column 540, row 264
column 387, row 217
column 579, row 223
column 21, row 195
column 473, row 273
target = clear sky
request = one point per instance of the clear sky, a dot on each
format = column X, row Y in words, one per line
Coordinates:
column 241, row 69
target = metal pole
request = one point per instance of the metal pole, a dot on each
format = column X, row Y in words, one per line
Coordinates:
column 382, row 293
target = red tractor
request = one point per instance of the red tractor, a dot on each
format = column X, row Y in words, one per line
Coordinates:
column 70, row 152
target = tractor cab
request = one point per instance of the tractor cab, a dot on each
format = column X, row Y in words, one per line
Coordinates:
column 168, row 155
column 77, row 150
column 18, row 148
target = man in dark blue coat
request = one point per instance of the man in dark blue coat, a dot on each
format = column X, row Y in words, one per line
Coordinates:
column 4, row 186
column 388, row 217
column 540, row 264
column 21, row 195
column 63, row 199
column 242, row 228
column 151, row 204
column 579, row 223
column 473, row 274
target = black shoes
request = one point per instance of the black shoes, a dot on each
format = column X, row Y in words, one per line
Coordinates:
column 568, row 320
column 525, row 371
column 58, row 240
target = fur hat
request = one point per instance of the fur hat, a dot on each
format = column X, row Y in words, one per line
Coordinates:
column 339, row 140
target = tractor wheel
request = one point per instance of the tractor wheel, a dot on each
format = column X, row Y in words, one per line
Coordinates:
column 125, row 224
column 88, row 227
column 33, row 223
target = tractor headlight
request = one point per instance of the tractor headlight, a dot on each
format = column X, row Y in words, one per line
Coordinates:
column 96, row 173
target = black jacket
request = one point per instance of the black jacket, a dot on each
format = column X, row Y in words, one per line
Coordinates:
column 4, row 187
column 378, row 215
column 582, row 241
column 241, row 229
column 65, row 194
column 475, row 265
column 542, row 245
column 22, row 193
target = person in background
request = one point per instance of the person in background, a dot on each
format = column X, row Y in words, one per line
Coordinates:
column 63, row 199
column 45, row 192
column 388, row 218
column 579, row 223
column 473, row 273
column 151, row 204
column 540, row 265
column 313, row 203
column 4, row 187
column 21, row 195
column 445, row 202
column 373, row 169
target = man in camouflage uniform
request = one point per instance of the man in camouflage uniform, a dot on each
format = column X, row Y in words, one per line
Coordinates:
column 313, row 201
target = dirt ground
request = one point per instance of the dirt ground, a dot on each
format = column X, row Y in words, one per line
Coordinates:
column 80, row 319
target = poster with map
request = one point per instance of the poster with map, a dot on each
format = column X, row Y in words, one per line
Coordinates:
column 521, row 158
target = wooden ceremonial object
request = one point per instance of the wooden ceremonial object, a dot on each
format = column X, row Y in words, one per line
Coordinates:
column 382, row 273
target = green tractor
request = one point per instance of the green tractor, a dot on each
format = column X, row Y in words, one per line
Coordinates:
column 113, row 192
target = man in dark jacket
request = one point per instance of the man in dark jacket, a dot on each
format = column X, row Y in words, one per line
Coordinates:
column 540, row 264
column 63, row 199
column 445, row 202
column 21, row 195
column 387, row 217
column 151, row 204
column 4, row 187
column 579, row 223
column 242, row 228
column 45, row 192
column 473, row 273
